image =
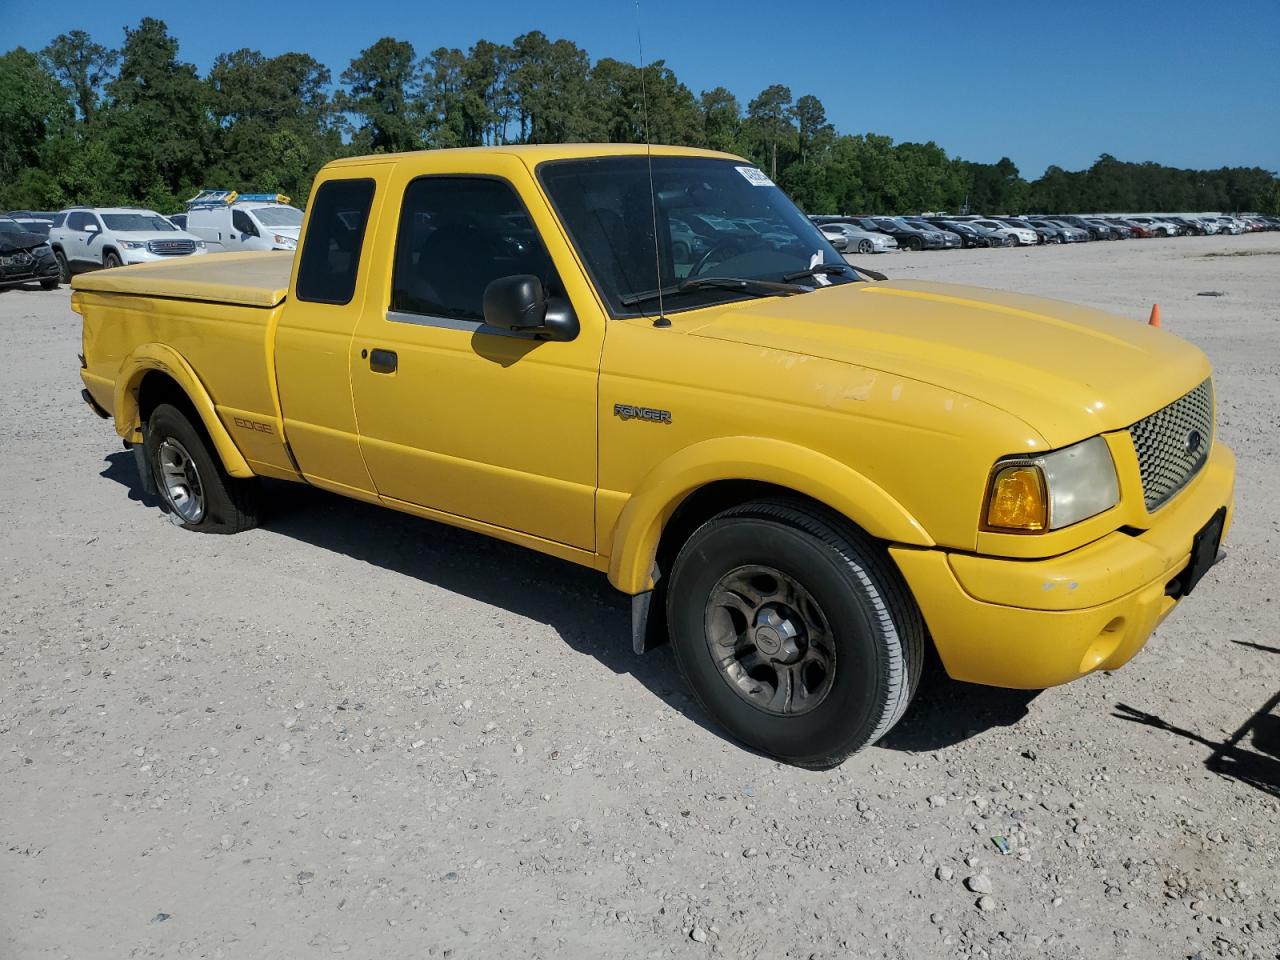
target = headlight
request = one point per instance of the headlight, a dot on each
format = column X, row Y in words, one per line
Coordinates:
column 133, row 244
column 1052, row 491
column 284, row 241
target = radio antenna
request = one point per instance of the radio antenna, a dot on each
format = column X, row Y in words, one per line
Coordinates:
column 661, row 320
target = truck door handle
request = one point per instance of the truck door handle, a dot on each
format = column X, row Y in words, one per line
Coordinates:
column 383, row 361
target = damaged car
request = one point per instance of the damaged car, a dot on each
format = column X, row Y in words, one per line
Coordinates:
column 26, row 257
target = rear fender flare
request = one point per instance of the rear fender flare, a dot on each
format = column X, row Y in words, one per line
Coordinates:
column 815, row 475
column 166, row 360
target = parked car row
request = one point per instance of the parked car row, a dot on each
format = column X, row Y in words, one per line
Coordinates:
column 873, row 234
column 216, row 221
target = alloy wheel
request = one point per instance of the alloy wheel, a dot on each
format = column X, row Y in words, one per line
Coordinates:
column 180, row 481
column 770, row 640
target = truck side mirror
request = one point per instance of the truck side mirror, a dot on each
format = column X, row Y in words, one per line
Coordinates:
column 519, row 303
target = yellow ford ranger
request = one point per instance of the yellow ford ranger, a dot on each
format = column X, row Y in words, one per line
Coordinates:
column 651, row 363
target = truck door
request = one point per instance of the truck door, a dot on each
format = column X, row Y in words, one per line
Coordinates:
column 313, row 339
column 457, row 416
column 245, row 234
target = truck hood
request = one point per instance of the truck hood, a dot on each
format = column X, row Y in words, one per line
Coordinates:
column 1067, row 371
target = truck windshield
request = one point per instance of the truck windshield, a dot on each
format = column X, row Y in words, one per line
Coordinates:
column 137, row 222
column 715, row 219
column 278, row 216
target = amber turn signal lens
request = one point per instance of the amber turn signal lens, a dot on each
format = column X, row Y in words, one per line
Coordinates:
column 1018, row 500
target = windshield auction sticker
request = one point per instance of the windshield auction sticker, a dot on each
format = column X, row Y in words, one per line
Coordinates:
column 755, row 177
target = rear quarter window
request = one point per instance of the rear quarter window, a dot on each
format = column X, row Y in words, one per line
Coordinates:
column 331, row 249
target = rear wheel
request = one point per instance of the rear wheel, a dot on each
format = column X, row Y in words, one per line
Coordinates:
column 795, row 632
column 111, row 260
column 64, row 268
column 196, row 491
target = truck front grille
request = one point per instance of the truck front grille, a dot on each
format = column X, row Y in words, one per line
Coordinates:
column 171, row 248
column 1173, row 444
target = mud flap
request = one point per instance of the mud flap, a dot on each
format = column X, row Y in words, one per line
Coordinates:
column 648, row 631
column 145, row 476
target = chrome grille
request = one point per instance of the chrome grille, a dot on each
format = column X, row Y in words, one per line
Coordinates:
column 1173, row 444
column 171, row 248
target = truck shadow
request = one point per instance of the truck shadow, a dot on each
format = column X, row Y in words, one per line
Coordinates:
column 579, row 604
column 946, row 712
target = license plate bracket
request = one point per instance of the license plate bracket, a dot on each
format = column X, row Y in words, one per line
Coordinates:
column 1204, row 551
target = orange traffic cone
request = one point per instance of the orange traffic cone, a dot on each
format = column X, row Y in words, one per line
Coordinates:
column 1155, row 315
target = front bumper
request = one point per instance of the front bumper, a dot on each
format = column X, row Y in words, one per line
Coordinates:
column 1029, row 624
column 16, row 271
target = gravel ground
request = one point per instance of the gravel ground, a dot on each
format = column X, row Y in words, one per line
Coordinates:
column 354, row 731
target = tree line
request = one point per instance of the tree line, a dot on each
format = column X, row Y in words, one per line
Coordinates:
column 85, row 123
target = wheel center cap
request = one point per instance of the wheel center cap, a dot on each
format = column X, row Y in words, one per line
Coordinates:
column 776, row 635
column 767, row 640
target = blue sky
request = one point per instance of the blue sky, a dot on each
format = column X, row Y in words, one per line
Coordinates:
column 1187, row 84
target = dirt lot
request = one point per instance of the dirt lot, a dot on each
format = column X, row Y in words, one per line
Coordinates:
column 352, row 731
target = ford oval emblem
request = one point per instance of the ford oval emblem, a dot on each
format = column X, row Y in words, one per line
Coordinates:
column 1193, row 442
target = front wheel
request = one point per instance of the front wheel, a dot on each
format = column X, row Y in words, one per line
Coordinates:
column 864, row 247
column 915, row 244
column 795, row 632
column 111, row 261
column 196, row 490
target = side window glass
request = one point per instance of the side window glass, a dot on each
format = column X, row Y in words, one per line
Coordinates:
column 456, row 236
column 335, row 235
column 240, row 221
column 76, row 221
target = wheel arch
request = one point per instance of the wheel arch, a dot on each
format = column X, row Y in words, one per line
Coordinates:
column 701, row 480
column 154, row 373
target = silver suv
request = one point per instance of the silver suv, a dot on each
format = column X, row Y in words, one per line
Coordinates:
column 84, row 238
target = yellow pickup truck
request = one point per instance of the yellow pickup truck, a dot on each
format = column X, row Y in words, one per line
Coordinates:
column 649, row 362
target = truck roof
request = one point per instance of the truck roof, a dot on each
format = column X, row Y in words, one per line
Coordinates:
column 253, row 279
column 534, row 153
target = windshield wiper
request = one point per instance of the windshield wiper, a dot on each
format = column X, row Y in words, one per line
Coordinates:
column 758, row 288
column 828, row 268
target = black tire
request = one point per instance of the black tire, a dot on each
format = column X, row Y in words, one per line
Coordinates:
column 50, row 283
column 111, row 260
column 229, row 504
column 915, row 244
column 680, row 252
column 874, row 630
column 864, row 247
column 64, row 268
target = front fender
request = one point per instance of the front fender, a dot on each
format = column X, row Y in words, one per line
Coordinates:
column 838, row 486
column 158, row 356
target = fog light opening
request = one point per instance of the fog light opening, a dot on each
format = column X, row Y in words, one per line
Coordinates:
column 1104, row 645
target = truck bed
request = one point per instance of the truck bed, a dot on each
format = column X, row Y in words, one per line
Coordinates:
column 256, row 279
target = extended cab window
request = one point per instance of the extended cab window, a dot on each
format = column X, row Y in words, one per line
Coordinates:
column 335, row 235
column 456, row 236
